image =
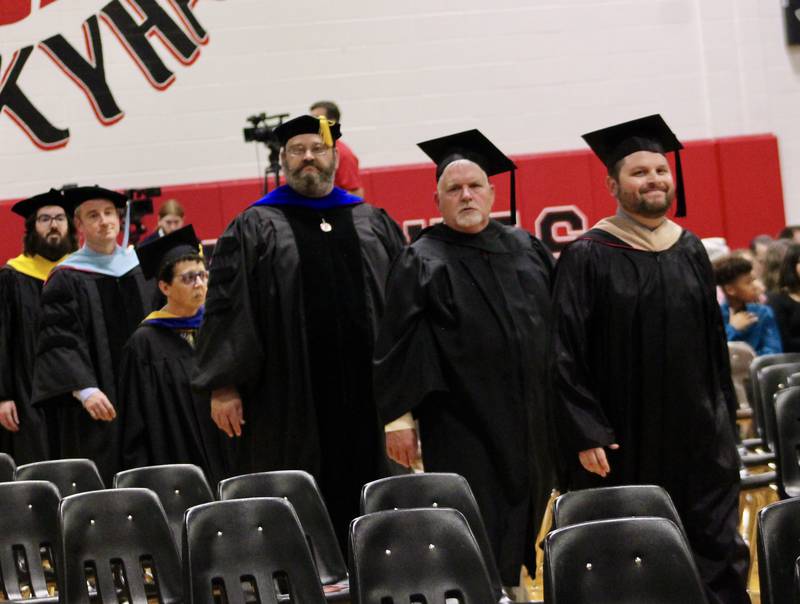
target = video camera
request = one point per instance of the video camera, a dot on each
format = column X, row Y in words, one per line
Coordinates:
column 141, row 206
column 262, row 130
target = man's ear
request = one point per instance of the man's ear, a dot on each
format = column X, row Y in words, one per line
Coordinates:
column 336, row 158
column 612, row 185
column 728, row 290
column 164, row 287
column 436, row 198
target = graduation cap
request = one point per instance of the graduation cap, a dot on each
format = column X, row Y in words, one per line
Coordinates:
column 155, row 254
column 471, row 145
column 329, row 130
column 649, row 133
column 54, row 197
column 75, row 196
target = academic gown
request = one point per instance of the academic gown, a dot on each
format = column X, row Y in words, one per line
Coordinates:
column 86, row 319
column 164, row 421
column 19, row 327
column 290, row 320
column 463, row 344
column 641, row 360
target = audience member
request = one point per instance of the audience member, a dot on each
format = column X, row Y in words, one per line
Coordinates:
column 759, row 245
column 745, row 319
column 791, row 232
column 347, row 175
column 170, row 218
column 773, row 260
column 785, row 301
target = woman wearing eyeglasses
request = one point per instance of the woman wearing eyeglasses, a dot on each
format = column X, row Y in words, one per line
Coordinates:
column 163, row 420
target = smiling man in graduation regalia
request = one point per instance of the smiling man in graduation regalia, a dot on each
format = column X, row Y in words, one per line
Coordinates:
column 49, row 237
column 463, row 345
column 642, row 375
column 295, row 293
column 91, row 303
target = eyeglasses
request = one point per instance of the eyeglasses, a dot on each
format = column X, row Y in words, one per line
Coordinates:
column 189, row 277
column 300, row 150
column 47, row 219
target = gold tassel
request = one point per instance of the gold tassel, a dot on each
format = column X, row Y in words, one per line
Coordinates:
column 325, row 130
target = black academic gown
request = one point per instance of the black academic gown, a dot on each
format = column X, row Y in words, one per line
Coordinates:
column 164, row 421
column 463, row 344
column 290, row 321
column 19, row 327
column 86, row 320
column 641, row 360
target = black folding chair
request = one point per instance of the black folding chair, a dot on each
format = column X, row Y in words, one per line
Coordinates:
column 778, row 548
column 772, row 380
column 7, row 467
column 71, row 476
column 620, row 560
column 301, row 490
column 787, row 417
column 116, row 546
column 417, row 555
column 433, row 489
column 248, row 550
column 28, row 540
column 759, row 363
column 178, row 486
column 607, row 503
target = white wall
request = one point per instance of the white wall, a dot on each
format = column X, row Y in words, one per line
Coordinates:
column 532, row 74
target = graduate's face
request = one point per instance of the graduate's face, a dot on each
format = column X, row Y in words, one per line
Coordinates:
column 97, row 220
column 309, row 165
column 644, row 186
column 52, row 224
column 184, row 292
column 465, row 197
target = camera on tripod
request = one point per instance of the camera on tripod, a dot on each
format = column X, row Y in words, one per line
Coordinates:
column 262, row 130
column 141, row 206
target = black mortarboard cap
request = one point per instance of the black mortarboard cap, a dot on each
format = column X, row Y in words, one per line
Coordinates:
column 649, row 133
column 329, row 130
column 473, row 146
column 54, row 197
column 75, row 196
column 155, row 254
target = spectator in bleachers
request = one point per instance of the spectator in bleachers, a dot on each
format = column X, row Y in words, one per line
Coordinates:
column 791, row 232
column 773, row 260
column 164, row 420
column 759, row 245
column 170, row 218
column 347, row 174
column 49, row 237
column 785, row 302
column 745, row 319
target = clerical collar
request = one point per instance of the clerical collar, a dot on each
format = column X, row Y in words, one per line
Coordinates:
column 487, row 240
column 36, row 266
column 286, row 196
column 162, row 318
column 115, row 264
column 638, row 236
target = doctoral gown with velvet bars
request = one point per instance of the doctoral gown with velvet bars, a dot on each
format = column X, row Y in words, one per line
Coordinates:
column 290, row 320
column 19, row 326
column 463, row 344
column 641, row 360
column 164, row 421
column 86, row 320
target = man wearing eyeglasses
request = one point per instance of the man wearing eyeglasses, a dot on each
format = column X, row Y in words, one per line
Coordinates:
column 49, row 237
column 164, row 420
column 91, row 304
column 295, row 293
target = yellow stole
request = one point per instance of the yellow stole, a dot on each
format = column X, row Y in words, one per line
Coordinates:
column 34, row 266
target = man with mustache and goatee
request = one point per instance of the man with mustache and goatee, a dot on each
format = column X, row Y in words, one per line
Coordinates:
column 49, row 237
column 295, row 293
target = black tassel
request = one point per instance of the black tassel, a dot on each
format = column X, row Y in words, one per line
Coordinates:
column 513, row 197
column 680, row 194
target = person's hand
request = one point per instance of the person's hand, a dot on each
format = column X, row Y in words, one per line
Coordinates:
column 595, row 460
column 226, row 410
column 99, row 407
column 741, row 320
column 401, row 446
column 8, row 416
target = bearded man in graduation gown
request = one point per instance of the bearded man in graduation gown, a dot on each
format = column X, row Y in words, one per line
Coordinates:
column 463, row 346
column 295, row 293
column 49, row 237
column 91, row 304
column 163, row 420
column 642, row 374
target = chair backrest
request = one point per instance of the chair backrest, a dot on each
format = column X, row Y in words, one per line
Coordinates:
column 787, row 416
column 770, row 380
column 71, row 476
column 248, row 546
column 607, row 503
column 741, row 355
column 793, row 380
column 29, row 532
column 757, row 365
column 301, row 490
column 620, row 560
column 416, row 555
column 436, row 490
column 118, row 543
column 7, row 467
column 778, row 548
column 178, row 486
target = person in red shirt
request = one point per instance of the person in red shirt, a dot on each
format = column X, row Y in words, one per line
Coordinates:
column 347, row 176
